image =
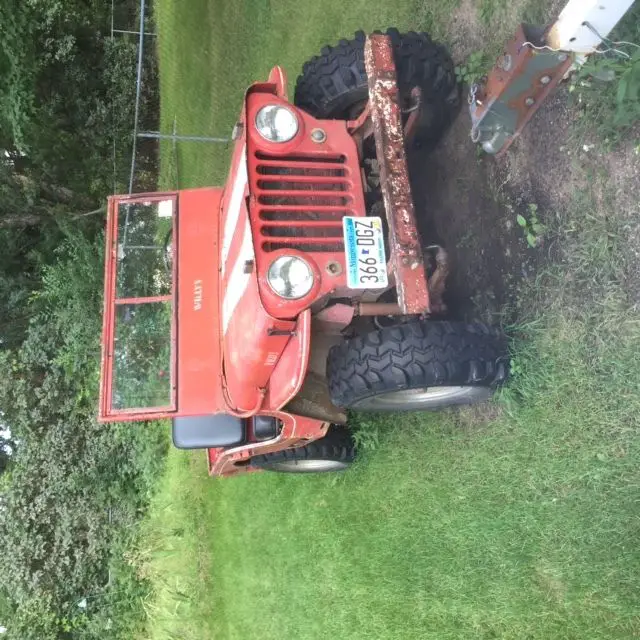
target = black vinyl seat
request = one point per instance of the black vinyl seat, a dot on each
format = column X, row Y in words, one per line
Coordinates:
column 202, row 432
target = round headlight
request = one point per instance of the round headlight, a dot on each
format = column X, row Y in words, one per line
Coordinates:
column 290, row 277
column 276, row 123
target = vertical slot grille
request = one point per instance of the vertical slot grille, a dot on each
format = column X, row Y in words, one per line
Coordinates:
column 301, row 202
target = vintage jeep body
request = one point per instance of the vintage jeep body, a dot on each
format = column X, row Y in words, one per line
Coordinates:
column 254, row 315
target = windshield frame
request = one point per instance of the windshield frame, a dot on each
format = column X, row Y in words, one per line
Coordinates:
column 112, row 303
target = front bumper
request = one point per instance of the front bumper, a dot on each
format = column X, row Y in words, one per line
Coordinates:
column 406, row 250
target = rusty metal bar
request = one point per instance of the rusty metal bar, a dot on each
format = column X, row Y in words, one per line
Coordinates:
column 533, row 63
column 378, row 309
column 415, row 112
column 155, row 135
column 515, row 89
column 438, row 280
column 406, row 252
column 138, row 93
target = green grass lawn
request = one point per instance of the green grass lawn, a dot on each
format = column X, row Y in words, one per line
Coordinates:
column 520, row 520
column 211, row 51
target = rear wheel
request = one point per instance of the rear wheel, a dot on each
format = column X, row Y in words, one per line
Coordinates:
column 333, row 85
column 419, row 365
column 334, row 452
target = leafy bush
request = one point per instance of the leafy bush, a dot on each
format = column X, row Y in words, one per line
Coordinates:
column 609, row 90
column 76, row 487
column 67, row 104
column 607, row 87
column 473, row 68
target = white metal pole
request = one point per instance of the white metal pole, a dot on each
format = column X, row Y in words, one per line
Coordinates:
column 155, row 135
column 583, row 24
column 138, row 91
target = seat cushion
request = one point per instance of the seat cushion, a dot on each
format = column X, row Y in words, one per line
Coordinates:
column 264, row 427
column 201, row 432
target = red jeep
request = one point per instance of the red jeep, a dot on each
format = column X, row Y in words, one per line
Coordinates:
column 256, row 314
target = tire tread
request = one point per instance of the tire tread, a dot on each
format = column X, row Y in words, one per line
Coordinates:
column 416, row 354
column 337, row 78
column 337, row 445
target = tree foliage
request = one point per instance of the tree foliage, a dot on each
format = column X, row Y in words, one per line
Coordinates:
column 7, row 449
column 66, row 106
column 75, row 485
column 66, row 117
column 73, row 488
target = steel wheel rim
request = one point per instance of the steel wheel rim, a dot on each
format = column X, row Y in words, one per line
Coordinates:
column 424, row 398
column 308, row 466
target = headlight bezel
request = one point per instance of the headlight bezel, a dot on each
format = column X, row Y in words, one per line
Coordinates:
column 289, row 136
column 310, row 278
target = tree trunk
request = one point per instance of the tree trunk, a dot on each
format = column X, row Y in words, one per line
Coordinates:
column 21, row 220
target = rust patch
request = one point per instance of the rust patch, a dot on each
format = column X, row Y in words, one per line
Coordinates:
column 406, row 258
column 438, row 280
column 415, row 112
column 379, row 309
column 512, row 84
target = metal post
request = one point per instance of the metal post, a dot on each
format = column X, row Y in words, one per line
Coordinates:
column 174, row 151
column 115, row 169
column 583, row 24
column 135, row 33
column 534, row 62
column 138, row 92
column 155, row 135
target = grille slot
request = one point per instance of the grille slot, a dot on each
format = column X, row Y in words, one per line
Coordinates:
column 301, row 201
column 302, row 185
column 309, row 170
column 285, row 216
column 318, row 159
column 306, row 245
column 318, row 199
column 311, row 231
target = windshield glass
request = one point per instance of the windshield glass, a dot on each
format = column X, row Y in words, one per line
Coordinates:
column 145, row 233
column 142, row 371
column 142, row 356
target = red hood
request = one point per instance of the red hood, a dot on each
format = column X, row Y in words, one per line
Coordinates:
column 228, row 354
column 199, row 353
column 253, row 341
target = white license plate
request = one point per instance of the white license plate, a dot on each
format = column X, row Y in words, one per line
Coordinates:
column 364, row 253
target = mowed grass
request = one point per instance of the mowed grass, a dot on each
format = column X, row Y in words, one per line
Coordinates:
column 211, row 51
column 454, row 527
column 519, row 520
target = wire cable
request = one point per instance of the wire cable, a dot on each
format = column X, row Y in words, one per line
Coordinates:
column 616, row 43
column 611, row 44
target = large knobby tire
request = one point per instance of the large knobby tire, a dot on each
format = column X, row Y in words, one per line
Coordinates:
column 335, row 452
column 420, row 365
column 333, row 85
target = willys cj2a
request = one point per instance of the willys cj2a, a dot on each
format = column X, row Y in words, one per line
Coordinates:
column 253, row 316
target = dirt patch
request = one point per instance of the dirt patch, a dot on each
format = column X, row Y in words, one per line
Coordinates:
column 468, row 203
column 474, row 418
column 541, row 161
column 551, row 583
column 465, row 33
column 618, row 194
column 553, row 167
